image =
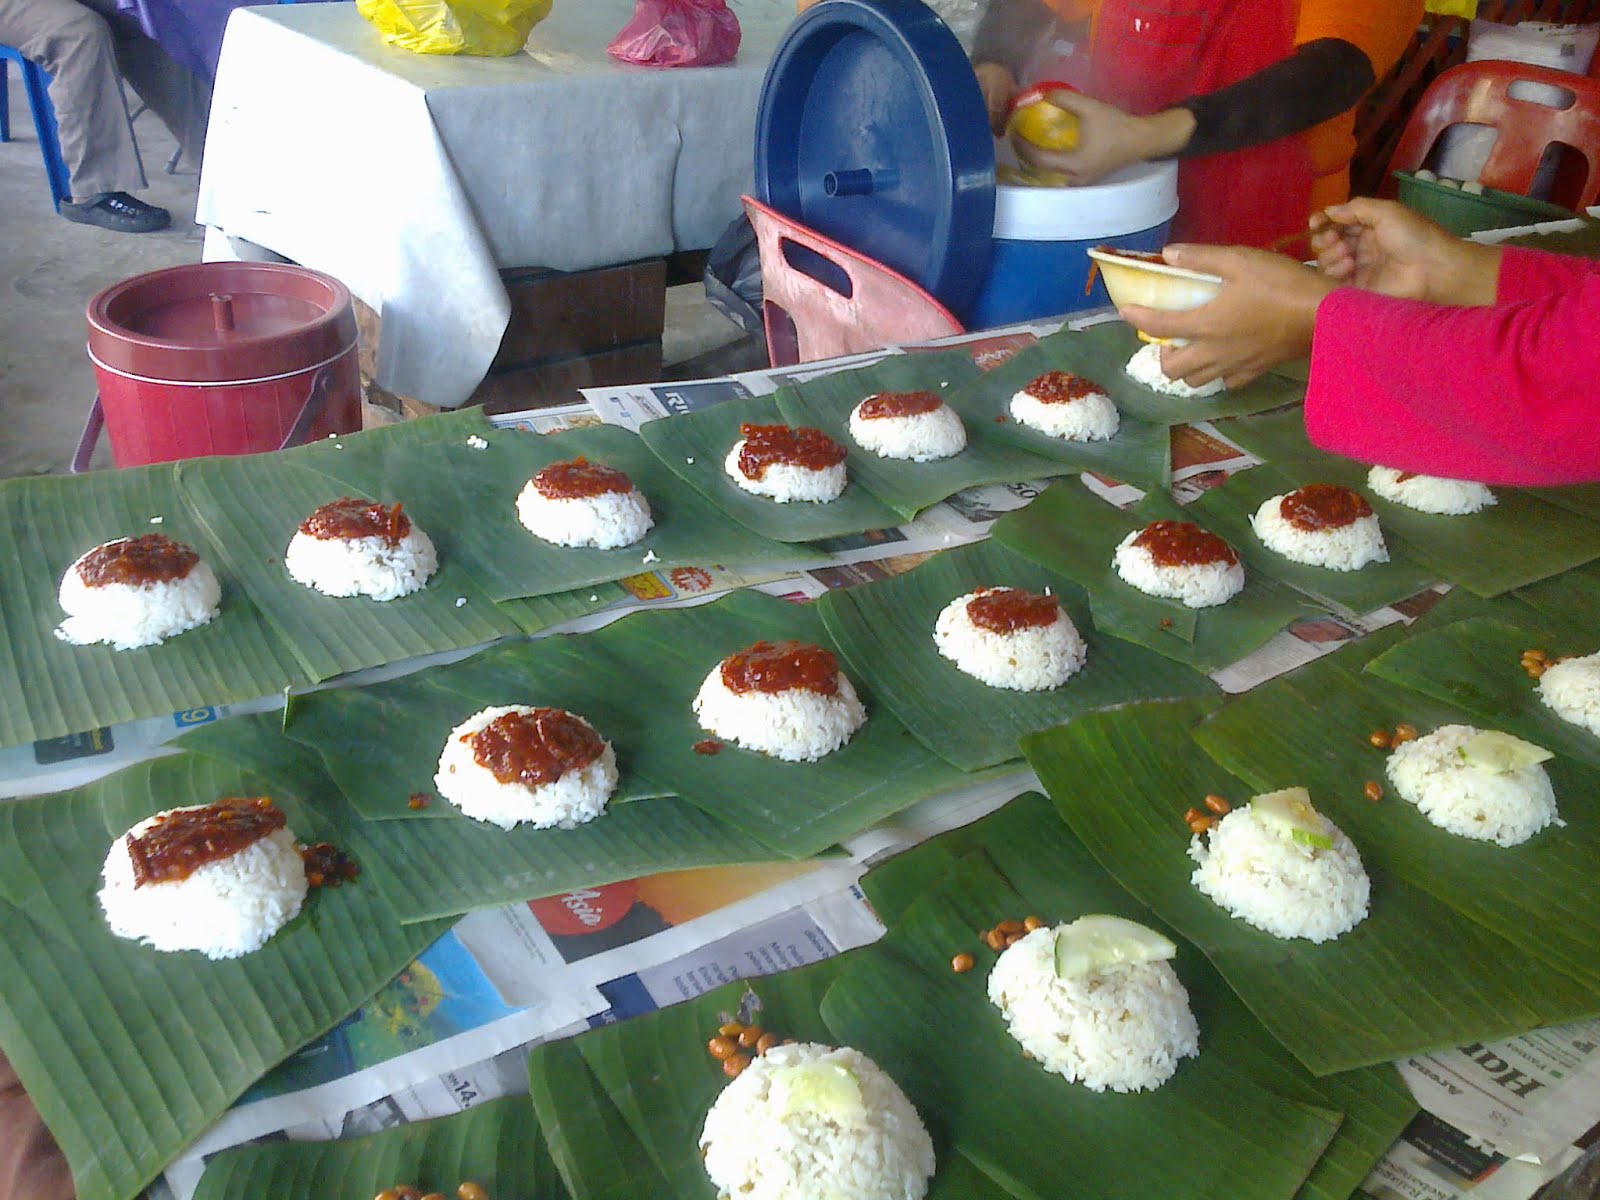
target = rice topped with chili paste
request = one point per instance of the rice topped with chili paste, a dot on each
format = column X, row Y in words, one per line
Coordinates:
column 356, row 547
column 583, row 503
column 1010, row 638
column 918, row 426
column 218, row 878
column 135, row 592
column 1066, row 406
column 520, row 765
column 787, row 699
column 788, row 463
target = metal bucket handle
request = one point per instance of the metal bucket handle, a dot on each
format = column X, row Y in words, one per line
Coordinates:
column 316, row 401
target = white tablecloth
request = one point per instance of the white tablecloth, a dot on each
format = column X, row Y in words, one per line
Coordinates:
column 413, row 178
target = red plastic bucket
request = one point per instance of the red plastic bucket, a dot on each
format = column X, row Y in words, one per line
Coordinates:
column 221, row 358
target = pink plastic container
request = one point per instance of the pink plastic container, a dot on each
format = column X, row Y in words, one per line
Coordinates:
column 220, row 358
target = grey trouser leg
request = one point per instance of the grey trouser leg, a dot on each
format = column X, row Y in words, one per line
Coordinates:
column 76, row 46
column 175, row 94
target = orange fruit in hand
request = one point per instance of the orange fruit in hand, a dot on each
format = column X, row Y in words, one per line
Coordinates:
column 1045, row 125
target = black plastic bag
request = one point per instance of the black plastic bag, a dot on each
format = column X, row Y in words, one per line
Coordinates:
column 733, row 276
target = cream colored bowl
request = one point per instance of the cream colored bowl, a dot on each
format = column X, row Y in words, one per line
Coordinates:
column 1136, row 281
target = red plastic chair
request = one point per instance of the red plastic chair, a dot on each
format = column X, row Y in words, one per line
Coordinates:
column 823, row 300
column 1478, row 93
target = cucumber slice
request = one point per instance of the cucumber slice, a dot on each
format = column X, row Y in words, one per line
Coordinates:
column 1500, row 753
column 1095, row 942
column 1290, row 812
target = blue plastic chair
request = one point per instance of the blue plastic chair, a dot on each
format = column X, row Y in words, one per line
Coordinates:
column 35, row 81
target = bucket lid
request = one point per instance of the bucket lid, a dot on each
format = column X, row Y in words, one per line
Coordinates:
column 872, row 131
column 1134, row 199
column 216, row 322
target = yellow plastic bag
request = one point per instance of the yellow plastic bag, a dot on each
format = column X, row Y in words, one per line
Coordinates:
column 489, row 27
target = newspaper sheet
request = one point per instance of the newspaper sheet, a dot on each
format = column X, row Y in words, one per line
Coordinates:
column 1528, row 1097
column 1433, row 1160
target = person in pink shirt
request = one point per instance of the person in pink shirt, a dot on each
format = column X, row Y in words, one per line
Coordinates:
column 1429, row 354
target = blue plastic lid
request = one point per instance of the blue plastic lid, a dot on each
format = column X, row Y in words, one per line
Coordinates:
column 872, row 131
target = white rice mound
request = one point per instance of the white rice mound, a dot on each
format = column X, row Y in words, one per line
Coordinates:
column 795, row 725
column 223, row 909
column 128, row 616
column 1506, row 808
column 1029, row 660
column 603, row 522
column 1123, row 1027
column 759, row 1145
column 367, row 566
column 785, row 482
column 921, row 437
column 1261, row 875
column 1090, row 418
column 1348, row 548
column 1203, row 585
column 1571, row 689
column 564, row 803
column 1430, row 493
column 1145, row 367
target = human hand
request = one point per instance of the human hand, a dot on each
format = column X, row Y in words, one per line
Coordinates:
column 1262, row 317
column 1384, row 247
column 1108, row 139
column 998, row 85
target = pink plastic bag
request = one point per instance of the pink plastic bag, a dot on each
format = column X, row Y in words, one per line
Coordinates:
column 678, row 33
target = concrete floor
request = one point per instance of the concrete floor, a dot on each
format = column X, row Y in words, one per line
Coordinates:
column 50, row 268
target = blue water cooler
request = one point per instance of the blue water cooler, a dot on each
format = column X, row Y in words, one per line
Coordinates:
column 872, row 131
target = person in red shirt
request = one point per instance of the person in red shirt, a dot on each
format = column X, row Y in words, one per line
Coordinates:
column 1256, row 98
column 1429, row 354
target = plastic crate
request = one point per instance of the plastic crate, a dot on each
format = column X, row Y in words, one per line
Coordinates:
column 1466, row 212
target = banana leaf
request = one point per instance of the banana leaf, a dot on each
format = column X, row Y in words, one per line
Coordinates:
column 1028, row 843
column 1140, row 452
column 1226, row 511
column 433, row 869
column 1220, row 1134
column 496, row 1144
column 1102, row 352
column 1414, row 976
column 885, row 631
column 130, row 1053
column 1518, row 540
column 595, row 1152
column 1310, row 727
column 1583, row 242
column 696, row 445
column 382, row 743
column 795, row 809
column 1073, row 532
column 50, row 688
column 909, row 487
column 1567, row 603
column 250, row 507
column 479, row 508
column 535, row 614
column 1583, row 498
column 1475, row 664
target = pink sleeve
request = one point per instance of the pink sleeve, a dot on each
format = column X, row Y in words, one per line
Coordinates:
column 1529, row 274
column 1508, row 394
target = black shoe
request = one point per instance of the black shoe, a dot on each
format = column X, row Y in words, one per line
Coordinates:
column 118, row 211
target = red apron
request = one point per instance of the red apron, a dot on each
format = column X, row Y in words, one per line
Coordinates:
column 1150, row 54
